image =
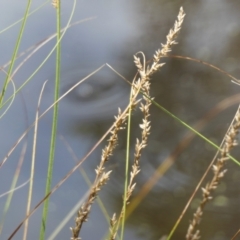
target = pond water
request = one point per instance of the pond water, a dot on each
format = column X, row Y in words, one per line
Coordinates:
column 113, row 31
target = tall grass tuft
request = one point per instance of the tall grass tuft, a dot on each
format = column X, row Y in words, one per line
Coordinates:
column 141, row 85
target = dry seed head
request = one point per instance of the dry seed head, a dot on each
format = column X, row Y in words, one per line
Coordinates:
column 170, row 41
column 55, row 3
column 138, row 63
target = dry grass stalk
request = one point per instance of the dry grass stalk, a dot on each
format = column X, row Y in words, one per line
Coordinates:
column 143, row 82
column 139, row 146
column 85, row 208
column 166, row 48
column 113, row 225
column 218, row 174
column 101, row 176
column 235, row 235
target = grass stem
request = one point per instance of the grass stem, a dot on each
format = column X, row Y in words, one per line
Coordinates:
column 54, row 123
column 8, row 77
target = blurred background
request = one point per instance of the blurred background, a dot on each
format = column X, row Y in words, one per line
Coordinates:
column 195, row 93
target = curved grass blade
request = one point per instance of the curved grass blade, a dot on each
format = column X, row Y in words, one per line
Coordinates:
column 15, row 53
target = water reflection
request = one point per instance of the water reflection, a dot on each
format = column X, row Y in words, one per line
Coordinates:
column 96, row 98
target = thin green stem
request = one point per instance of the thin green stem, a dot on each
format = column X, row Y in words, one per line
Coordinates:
column 18, row 21
column 126, row 171
column 54, row 123
column 8, row 77
column 193, row 130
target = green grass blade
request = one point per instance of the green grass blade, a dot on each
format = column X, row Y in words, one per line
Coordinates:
column 8, row 77
column 193, row 130
column 18, row 21
column 54, row 123
column 126, row 170
column 12, row 100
